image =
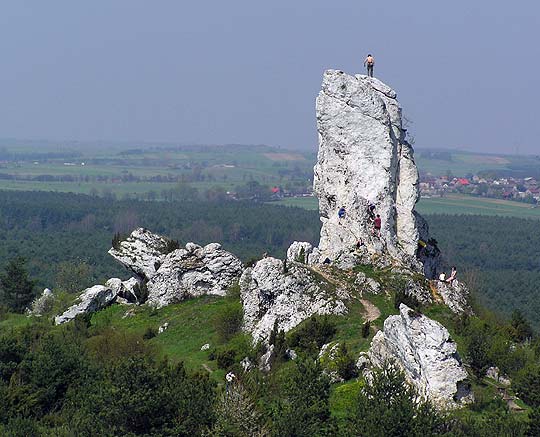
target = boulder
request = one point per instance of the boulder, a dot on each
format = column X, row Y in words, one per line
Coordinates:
column 299, row 252
column 423, row 349
column 270, row 294
column 142, row 252
column 90, row 300
column 191, row 272
column 130, row 291
column 364, row 159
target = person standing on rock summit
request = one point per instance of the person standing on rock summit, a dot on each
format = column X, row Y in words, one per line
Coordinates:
column 369, row 62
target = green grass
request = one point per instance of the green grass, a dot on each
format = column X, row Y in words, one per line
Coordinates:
column 343, row 398
column 463, row 204
column 309, row 203
column 191, row 325
column 9, row 321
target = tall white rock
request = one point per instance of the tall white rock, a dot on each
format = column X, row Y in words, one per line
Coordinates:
column 364, row 159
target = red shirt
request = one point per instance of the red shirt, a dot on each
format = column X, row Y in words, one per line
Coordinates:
column 377, row 222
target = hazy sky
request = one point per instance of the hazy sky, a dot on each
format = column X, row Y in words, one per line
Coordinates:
column 215, row 71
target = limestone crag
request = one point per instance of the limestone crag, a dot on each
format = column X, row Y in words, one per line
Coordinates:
column 142, row 252
column 454, row 296
column 90, row 300
column 172, row 275
column 299, row 251
column 423, row 349
column 364, row 159
column 193, row 271
column 269, row 294
column 130, row 291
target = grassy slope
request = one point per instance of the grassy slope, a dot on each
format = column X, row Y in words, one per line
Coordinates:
column 191, row 325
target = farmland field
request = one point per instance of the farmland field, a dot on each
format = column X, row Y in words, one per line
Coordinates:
column 449, row 204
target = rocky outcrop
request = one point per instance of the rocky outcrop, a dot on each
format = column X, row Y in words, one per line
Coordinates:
column 91, row 300
column 142, row 252
column 168, row 274
column 364, row 159
column 193, row 271
column 454, row 296
column 423, row 349
column 130, row 291
column 299, row 252
column 270, row 294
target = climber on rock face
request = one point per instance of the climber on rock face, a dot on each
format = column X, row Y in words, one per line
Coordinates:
column 341, row 212
column 377, row 226
column 371, row 212
column 369, row 62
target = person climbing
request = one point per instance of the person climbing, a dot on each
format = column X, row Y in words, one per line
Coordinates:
column 341, row 212
column 371, row 212
column 359, row 244
column 377, row 226
column 452, row 276
column 369, row 62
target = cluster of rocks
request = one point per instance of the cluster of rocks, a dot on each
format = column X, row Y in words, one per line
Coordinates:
column 163, row 274
column 364, row 161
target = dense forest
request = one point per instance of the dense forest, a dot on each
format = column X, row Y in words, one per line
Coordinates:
column 65, row 238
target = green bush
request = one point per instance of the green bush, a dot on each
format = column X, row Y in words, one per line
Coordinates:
column 527, row 385
column 229, row 321
column 313, row 334
column 149, row 333
column 225, row 358
column 344, row 362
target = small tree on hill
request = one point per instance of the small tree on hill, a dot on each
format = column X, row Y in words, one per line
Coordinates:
column 18, row 290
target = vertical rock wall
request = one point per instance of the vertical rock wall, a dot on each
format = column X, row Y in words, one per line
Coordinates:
column 364, row 159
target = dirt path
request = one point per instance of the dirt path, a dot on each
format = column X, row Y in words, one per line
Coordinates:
column 371, row 311
column 333, row 280
column 208, row 369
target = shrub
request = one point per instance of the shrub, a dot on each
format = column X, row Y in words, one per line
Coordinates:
column 527, row 385
column 149, row 333
column 365, row 329
column 313, row 334
column 225, row 358
column 344, row 362
column 229, row 321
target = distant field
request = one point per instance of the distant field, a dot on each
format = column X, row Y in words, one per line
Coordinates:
column 460, row 163
column 450, row 204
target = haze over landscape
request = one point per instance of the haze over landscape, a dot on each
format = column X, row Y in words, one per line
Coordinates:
column 247, row 72
column 211, row 226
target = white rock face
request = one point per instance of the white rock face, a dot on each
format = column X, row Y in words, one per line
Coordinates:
column 91, row 300
column 424, row 350
column 175, row 276
column 299, row 251
column 454, row 296
column 364, row 159
column 142, row 252
column 269, row 294
column 193, row 271
column 129, row 291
